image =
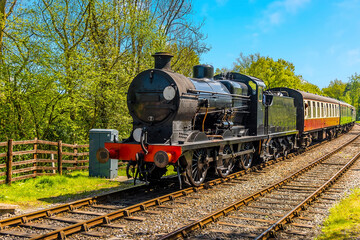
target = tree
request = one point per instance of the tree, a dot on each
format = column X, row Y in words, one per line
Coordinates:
column 346, row 92
column 184, row 37
column 67, row 64
column 336, row 89
column 353, row 90
column 279, row 73
column 243, row 63
column 122, row 37
column 4, row 15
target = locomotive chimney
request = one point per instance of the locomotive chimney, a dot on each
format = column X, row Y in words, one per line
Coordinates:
column 163, row 60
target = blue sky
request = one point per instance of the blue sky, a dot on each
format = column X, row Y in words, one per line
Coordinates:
column 321, row 38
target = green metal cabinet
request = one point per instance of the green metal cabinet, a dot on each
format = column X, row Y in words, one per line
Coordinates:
column 97, row 138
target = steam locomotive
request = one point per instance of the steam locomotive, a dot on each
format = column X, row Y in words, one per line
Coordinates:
column 215, row 124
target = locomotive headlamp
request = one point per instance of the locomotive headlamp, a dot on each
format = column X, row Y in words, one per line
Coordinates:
column 169, row 93
column 137, row 134
column 161, row 159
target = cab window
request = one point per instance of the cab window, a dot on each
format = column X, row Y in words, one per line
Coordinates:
column 252, row 86
column 260, row 94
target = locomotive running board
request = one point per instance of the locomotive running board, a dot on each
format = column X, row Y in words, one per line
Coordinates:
column 233, row 140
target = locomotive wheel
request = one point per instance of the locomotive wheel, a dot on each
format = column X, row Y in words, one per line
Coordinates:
column 245, row 161
column 285, row 153
column 197, row 170
column 275, row 148
column 227, row 164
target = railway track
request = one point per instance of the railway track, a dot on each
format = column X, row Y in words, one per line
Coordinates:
column 88, row 213
column 262, row 214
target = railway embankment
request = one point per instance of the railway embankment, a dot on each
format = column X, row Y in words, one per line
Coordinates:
column 174, row 214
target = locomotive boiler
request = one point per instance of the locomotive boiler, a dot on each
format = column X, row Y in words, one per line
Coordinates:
column 168, row 107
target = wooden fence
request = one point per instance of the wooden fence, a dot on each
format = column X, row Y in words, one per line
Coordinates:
column 31, row 158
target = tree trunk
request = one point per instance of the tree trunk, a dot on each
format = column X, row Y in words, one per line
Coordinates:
column 2, row 26
column 3, row 16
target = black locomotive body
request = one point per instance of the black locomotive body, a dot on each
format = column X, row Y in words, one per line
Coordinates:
column 169, row 107
column 203, row 124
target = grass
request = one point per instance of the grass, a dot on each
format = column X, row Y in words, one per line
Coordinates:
column 45, row 190
column 344, row 219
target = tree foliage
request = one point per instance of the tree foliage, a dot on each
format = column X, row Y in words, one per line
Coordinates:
column 279, row 73
column 348, row 92
column 66, row 64
column 335, row 89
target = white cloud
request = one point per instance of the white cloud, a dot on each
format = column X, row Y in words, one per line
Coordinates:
column 307, row 70
column 275, row 18
column 335, row 49
column 353, row 56
column 348, row 4
column 221, row 2
column 278, row 11
column 294, row 5
column 204, row 10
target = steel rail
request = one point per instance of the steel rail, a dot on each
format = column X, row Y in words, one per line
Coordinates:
column 279, row 225
column 24, row 218
column 106, row 218
column 199, row 224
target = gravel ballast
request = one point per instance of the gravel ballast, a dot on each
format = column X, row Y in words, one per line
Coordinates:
column 204, row 202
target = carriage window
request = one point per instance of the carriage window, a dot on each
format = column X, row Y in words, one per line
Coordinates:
column 319, row 112
column 309, row 109
column 336, row 110
column 328, row 110
column 314, row 109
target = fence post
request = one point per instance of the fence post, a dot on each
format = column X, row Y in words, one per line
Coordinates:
column 35, row 156
column 52, row 163
column 60, row 157
column 9, row 162
column 76, row 156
